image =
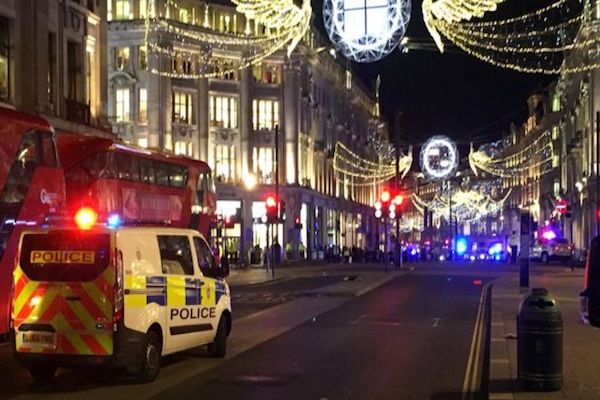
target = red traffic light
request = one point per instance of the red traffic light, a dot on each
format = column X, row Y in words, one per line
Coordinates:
column 398, row 200
column 598, row 214
column 385, row 196
column 271, row 202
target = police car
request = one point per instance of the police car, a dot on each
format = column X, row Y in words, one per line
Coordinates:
column 123, row 296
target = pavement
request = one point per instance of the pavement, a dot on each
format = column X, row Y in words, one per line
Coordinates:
column 581, row 343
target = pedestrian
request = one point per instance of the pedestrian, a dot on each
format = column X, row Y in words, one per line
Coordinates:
column 513, row 242
column 301, row 250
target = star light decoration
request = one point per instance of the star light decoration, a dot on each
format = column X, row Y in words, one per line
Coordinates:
column 439, row 158
column 366, row 31
column 192, row 49
column 560, row 38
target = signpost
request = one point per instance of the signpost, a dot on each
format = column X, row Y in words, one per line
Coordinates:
column 525, row 243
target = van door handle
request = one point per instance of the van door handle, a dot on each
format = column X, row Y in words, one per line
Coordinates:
column 73, row 298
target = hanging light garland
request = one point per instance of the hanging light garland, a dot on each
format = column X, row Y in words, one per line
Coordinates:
column 363, row 172
column 536, row 42
column 467, row 205
column 192, row 50
column 536, row 156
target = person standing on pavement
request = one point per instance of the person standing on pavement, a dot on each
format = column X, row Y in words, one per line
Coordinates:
column 513, row 242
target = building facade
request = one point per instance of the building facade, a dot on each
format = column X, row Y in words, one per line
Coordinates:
column 279, row 119
column 53, row 61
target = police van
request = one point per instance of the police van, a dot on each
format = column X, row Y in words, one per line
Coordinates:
column 122, row 296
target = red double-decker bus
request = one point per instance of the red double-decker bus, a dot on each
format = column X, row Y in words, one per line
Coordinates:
column 135, row 184
column 31, row 187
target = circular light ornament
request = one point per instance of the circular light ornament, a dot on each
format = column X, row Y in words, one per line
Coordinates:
column 439, row 158
column 366, row 30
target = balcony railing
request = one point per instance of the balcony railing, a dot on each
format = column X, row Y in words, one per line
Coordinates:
column 77, row 111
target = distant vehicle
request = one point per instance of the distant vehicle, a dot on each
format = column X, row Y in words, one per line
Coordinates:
column 141, row 185
column 553, row 250
column 31, row 187
column 116, row 296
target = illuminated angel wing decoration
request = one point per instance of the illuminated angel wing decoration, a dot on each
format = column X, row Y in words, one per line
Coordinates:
column 405, row 163
column 289, row 20
column 452, row 11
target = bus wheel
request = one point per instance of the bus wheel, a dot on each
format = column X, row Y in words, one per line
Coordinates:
column 218, row 348
column 43, row 373
column 150, row 358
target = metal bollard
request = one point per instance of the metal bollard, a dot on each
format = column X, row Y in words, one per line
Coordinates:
column 539, row 342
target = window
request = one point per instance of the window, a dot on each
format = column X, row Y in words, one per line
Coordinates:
column 142, row 57
column 175, row 255
column 121, row 58
column 122, row 105
column 142, row 142
column 366, row 18
column 4, row 60
column 128, row 167
column 123, row 9
column 51, row 66
column 265, row 114
column 147, row 172
column 205, row 257
column 184, row 148
column 556, row 102
column 143, row 8
column 48, row 150
column 223, row 111
column 183, row 107
column 225, row 163
column 143, row 106
column 74, row 71
column 162, row 174
column 262, row 159
column 267, row 73
column 184, row 15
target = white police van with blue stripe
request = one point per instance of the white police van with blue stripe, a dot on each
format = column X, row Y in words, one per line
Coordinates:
column 171, row 295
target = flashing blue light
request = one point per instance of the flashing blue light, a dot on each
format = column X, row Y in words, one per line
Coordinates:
column 114, row 221
column 498, row 257
column 496, row 248
column 413, row 252
column 461, row 246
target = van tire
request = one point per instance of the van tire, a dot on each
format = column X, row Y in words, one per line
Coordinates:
column 150, row 358
column 42, row 373
column 218, row 348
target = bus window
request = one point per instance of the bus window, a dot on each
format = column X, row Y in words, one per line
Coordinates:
column 128, row 167
column 48, row 150
column 178, row 176
column 147, row 172
column 162, row 174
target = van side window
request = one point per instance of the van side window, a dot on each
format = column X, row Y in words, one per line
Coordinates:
column 175, row 255
column 205, row 257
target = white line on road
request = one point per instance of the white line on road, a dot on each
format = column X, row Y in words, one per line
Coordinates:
column 435, row 322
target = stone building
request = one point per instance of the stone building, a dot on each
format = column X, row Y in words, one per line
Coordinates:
column 53, row 61
column 231, row 119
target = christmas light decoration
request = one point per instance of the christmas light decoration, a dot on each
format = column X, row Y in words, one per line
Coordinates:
column 559, row 38
column 467, row 205
column 191, row 49
column 363, row 172
column 366, row 31
column 439, row 158
column 535, row 158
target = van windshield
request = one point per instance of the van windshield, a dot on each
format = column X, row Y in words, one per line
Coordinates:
column 67, row 256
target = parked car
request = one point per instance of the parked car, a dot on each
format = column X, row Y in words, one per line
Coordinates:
column 553, row 250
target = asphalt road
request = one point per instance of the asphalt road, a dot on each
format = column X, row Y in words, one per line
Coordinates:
column 408, row 339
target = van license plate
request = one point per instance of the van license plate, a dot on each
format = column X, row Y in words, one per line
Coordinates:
column 39, row 338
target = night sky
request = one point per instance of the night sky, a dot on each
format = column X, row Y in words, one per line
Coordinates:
column 451, row 93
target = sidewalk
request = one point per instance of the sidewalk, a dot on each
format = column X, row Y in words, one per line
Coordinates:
column 581, row 344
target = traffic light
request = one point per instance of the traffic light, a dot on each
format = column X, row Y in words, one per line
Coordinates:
column 385, row 203
column 229, row 221
column 297, row 223
column 271, row 206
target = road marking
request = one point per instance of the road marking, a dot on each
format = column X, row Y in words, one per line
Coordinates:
column 436, row 322
column 501, row 396
column 472, row 371
column 356, row 321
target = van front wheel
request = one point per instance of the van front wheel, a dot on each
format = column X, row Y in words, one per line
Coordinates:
column 150, row 358
column 218, row 348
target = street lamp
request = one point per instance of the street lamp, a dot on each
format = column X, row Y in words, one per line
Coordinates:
column 250, row 181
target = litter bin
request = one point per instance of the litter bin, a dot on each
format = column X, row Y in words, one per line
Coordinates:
column 539, row 342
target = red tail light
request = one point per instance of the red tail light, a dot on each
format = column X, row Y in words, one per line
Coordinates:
column 119, row 299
